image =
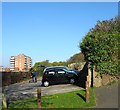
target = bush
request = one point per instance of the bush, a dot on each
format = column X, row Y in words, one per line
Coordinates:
column 100, row 46
column 14, row 77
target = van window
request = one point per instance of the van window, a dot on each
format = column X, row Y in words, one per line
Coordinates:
column 51, row 72
column 61, row 71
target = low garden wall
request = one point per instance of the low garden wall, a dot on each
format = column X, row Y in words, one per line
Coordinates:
column 96, row 80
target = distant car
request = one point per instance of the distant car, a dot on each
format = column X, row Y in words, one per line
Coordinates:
column 58, row 74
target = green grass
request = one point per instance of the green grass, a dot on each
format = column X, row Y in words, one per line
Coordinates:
column 0, row 107
column 75, row 99
column 27, row 103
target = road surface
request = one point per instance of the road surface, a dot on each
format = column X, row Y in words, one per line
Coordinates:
column 107, row 96
column 24, row 90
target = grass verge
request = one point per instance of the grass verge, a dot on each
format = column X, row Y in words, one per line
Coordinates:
column 75, row 99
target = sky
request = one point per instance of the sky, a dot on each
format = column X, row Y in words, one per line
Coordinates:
column 49, row 30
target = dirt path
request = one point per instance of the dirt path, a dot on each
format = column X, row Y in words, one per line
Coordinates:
column 107, row 96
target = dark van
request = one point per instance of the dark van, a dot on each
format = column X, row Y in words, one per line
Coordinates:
column 57, row 75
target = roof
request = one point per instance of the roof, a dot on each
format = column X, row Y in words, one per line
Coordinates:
column 56, row 67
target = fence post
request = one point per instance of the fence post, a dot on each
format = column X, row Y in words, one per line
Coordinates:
column 87, row 90
column 89, row 74
column 4, row 101
column 39, row 97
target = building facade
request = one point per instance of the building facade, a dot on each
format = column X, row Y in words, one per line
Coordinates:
column 1, row 69
column 12, row 63
column 20, row 62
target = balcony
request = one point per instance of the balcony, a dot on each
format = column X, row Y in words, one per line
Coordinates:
column 12, row 58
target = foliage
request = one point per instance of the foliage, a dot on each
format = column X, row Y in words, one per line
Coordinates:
column 37, row 67
column 14, row 77
column 79, row 57
column 100, row 46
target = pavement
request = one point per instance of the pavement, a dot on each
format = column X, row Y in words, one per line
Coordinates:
column 107, row 96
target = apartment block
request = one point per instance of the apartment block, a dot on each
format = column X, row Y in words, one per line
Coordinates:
column 1, row 69
column 20, row 62
column 12, row 63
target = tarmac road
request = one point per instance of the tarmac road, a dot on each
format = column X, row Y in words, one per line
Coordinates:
column 107, row 96
column 25, row 90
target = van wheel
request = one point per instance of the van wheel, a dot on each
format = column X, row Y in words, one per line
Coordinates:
column 46, row 83
column 72, row 81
